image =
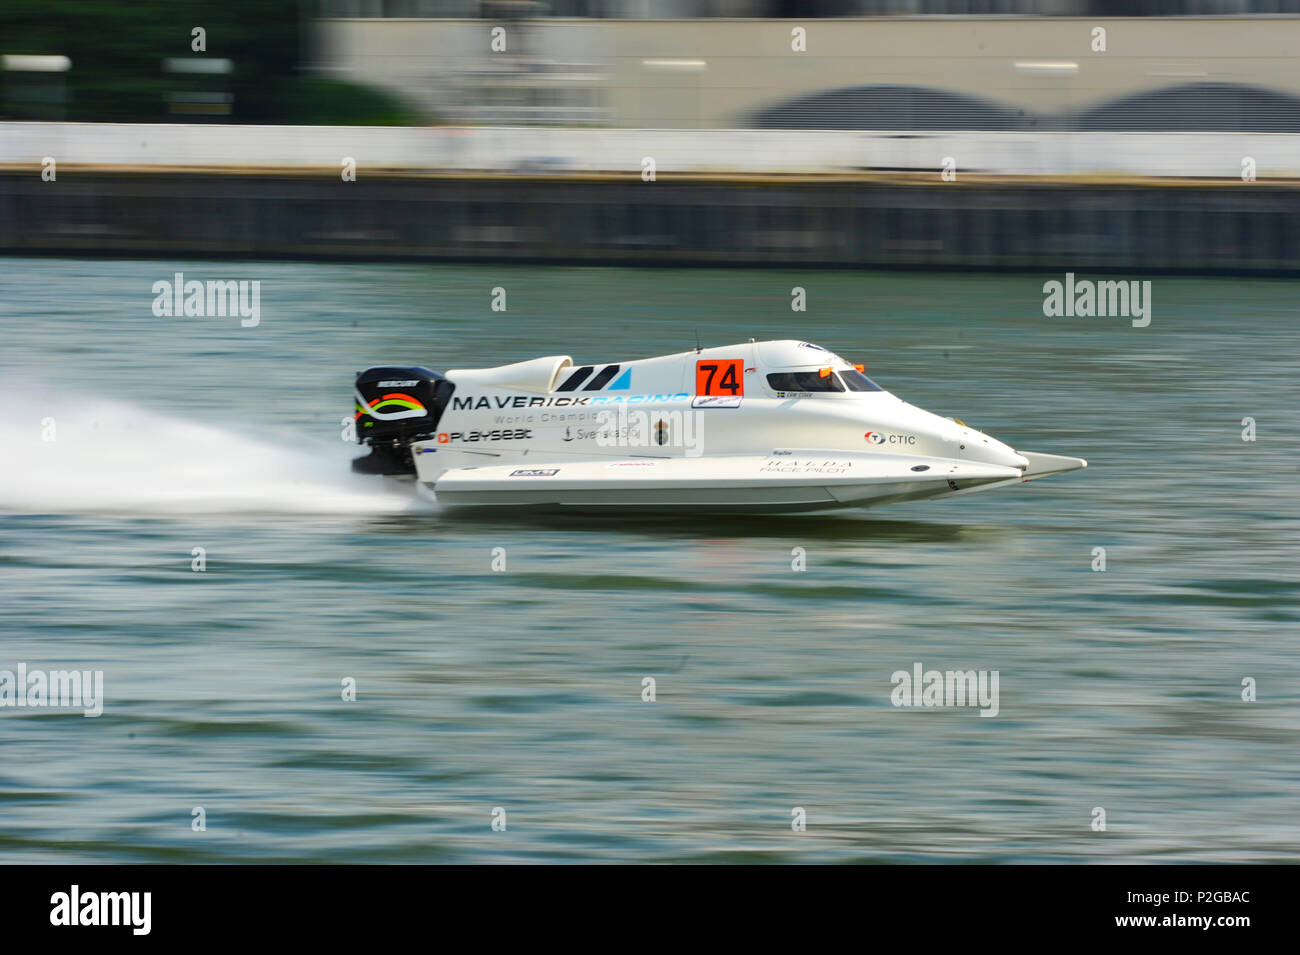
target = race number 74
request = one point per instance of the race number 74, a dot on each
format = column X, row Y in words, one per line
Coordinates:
column 719, row 377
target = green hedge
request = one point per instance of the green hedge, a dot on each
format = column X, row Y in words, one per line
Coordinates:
column 117, row 51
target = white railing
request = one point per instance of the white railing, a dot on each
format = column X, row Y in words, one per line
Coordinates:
column 540, row 150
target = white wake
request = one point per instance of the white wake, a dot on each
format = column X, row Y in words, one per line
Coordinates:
column 86, row 455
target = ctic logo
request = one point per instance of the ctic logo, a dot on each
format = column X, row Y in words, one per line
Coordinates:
column 103, row 908
column 443, row 437
column 877, row 437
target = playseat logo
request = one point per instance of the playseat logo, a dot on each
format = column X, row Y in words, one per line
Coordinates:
column 516, row 434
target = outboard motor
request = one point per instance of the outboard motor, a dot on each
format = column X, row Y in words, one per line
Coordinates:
column 393, row 407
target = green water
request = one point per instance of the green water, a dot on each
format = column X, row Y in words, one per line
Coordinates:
column 522, row 689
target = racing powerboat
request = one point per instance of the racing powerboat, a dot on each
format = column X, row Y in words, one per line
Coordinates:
column 774, row 426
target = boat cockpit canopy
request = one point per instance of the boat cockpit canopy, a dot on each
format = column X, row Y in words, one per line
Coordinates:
column 815, row 381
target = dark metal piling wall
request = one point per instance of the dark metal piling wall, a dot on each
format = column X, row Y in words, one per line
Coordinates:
column 1191, row 227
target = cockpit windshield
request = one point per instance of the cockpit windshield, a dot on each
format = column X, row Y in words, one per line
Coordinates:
column 788, row 381
column 857, row 381
column 794, row 382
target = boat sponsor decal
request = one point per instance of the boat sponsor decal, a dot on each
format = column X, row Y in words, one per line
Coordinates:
column 637, row 399
column 546, row 417
column 661, row 432
column 601, row 434
column 501, row 402
column 810, row 466
column 884, row 437
column 630, row 435
column 374, row 407
column 515, row 434
column 535, row 472
column 716, row 401
column 578, row 376
column 602, row 380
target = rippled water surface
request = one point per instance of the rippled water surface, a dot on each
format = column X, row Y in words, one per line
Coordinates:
column 522, row 689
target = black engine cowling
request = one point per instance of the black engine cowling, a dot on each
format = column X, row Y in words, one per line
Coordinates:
column 393, row 406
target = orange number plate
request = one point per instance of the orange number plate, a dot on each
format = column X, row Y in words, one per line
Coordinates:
column 720, row 376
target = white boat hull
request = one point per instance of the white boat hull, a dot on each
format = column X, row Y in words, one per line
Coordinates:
column 784, row 481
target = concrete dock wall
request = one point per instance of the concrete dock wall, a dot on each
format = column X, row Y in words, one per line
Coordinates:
column 1191, row 227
